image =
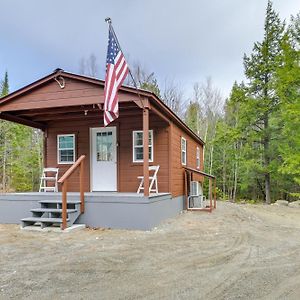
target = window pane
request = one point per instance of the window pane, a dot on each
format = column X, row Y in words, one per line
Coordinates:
column 138, row 145
column 66, row 155
column 183, row 144
column 139, row 154
column 66, row 142
column 150, row 153
column 104, row 146
column 150, row 138
column 183, row 157
column 138, row 138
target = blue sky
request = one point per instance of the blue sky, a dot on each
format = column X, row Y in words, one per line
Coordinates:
column 185, row 41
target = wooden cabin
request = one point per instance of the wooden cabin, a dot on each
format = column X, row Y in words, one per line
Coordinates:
column 68, row 108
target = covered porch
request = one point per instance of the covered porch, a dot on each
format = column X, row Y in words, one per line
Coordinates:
column 98, row 167
column 114, row 204
column 113, row 155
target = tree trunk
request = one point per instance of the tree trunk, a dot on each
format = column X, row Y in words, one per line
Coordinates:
column 266, row 158
column 224, row 174
column 4, row 165
column 205, row 137
column 236, row 166
column 211, row 159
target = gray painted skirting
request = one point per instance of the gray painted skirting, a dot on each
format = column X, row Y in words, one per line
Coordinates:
column 108, row 210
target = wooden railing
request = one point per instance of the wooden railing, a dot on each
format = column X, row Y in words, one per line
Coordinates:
column 64, row 182
column 212, row 192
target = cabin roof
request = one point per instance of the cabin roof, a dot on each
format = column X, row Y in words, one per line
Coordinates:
column 142, row 92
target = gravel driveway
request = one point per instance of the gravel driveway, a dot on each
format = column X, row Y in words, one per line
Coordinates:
column 237, row 252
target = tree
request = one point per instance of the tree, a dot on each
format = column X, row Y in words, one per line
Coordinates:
column 171, row 93
column 192, row 116
column 4, row 130
column 4, row 85
column 20, row 153
column 172, row 96
column 88, row 66
column 143, row 79
column 260, row 69
column 288, row 90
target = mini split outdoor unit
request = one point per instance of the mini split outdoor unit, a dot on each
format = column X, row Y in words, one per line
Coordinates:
column 196, row 198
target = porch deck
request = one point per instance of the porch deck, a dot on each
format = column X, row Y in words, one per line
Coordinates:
column 102, row 209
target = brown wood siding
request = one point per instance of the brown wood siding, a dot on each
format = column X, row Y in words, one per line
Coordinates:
column 128, row 171
column 41, row 104
column 51, row 95
column 177, row 178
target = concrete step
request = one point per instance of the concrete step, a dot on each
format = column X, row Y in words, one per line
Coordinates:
column 43, row 220
column 52, row 210
column 69, row 201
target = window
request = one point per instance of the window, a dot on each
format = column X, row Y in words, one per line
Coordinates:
column 66, row 148
column 138, row 144
column 104, row 146
column 198, row 158
column 183, row 151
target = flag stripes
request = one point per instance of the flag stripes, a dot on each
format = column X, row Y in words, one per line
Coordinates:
column 116, row 72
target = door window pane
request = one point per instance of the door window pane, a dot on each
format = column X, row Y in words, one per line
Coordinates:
column 104, row 146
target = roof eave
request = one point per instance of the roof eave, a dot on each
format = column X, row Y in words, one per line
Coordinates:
column 93, row 80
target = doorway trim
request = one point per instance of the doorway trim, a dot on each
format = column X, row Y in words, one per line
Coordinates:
column 91, row 155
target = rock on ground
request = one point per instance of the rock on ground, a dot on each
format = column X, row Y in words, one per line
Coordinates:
column 282, row 202
column 295, row 204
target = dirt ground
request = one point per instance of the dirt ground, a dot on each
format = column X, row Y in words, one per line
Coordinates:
column 237, row 252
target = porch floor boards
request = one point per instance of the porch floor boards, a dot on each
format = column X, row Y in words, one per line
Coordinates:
column 88, row 194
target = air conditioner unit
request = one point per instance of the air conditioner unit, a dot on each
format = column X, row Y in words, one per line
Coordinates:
column 196, row 198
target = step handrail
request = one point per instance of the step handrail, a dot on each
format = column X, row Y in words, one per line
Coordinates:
column 64, row 182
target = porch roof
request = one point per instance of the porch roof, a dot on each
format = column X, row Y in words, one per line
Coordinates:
column 155, row 102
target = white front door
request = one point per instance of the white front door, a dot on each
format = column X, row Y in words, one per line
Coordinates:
column 104, row 159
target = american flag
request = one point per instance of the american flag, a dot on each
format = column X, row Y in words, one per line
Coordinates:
column 116, row 72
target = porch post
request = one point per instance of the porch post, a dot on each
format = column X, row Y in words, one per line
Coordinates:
column 146, row 150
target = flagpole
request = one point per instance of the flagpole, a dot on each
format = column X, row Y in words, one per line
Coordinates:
column 109, row 22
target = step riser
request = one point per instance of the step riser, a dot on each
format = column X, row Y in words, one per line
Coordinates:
column 72, row 214
column 49, row 214
column 59, row 205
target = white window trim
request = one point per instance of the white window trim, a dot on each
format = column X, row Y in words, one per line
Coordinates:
column 198, row 161
column 74, row 150
column 183, row 151
column 133, row 146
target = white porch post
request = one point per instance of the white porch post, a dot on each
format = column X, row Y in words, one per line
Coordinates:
column 146, row 150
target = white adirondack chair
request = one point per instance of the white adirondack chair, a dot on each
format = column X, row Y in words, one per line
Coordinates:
column 49, row 175
column 152, row 180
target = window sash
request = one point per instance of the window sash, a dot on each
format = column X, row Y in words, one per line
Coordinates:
column 183, row 151
column 65, row 155
column 198, row 158
column 138, row 145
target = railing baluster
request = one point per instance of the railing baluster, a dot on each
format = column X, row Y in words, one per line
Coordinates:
column 64, row 204
column 81, row 187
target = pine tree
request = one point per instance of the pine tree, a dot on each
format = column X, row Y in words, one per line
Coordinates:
column 5, row 85
column 192, row 116
column 288, row 89
column 4, row 133
column 260, row 69
column 20, row 153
